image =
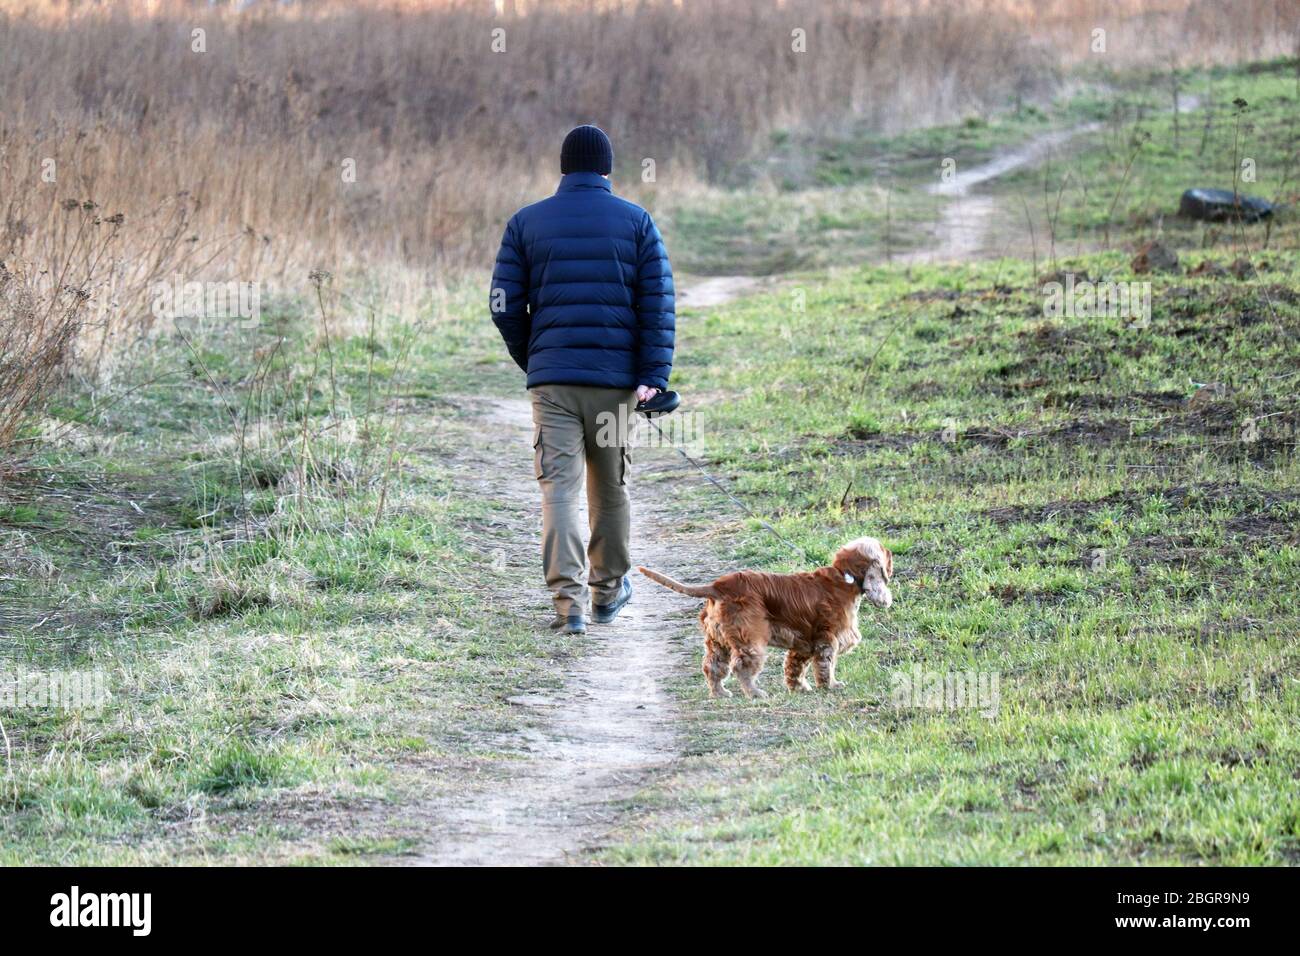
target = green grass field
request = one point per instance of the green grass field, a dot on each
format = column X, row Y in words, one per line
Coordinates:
column 1099, row 514
column 284, row 619
column 1070, row 512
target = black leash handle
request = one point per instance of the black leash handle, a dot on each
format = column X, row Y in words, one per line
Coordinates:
column 661, row 403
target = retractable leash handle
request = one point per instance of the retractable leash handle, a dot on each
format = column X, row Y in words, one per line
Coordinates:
column 662, row 403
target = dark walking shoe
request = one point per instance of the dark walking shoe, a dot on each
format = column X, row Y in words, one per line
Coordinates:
column 573, row 624
column 605, row 613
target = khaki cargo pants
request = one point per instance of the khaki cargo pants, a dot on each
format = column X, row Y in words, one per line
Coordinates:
column 577, row 427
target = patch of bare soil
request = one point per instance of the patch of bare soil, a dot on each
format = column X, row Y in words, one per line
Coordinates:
column 591, row 745
column 54, row 526
column 715, row 290
column 1255, row 504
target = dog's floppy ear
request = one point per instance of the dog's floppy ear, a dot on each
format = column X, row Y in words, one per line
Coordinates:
column 850, row 561
column 889, row 562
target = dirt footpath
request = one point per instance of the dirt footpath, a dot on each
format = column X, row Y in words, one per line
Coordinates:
column 595, row 741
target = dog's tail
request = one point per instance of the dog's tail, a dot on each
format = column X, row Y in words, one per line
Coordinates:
column 694, row 590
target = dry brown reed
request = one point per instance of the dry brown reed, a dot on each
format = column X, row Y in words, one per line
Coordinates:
column 260, row 141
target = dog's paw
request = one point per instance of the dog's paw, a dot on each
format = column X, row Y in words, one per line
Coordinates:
column 719, row 693
column 756, row 693
column 799, row 688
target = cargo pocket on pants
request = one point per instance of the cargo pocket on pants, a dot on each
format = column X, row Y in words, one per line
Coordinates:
column 625, row 463
column 537, row 452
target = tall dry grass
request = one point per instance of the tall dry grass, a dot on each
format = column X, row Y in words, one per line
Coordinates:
column 37, row 330
column 231, row 163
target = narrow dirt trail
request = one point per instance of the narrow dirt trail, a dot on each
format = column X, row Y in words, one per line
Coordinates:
column 593, row 743
column 716, row 290
column 966, row 219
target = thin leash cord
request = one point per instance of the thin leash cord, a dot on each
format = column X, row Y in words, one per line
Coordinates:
column 717, row 484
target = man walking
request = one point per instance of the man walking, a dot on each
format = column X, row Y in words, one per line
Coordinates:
column 582, row 293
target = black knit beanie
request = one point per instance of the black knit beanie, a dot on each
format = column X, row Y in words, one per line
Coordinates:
column 587, row 150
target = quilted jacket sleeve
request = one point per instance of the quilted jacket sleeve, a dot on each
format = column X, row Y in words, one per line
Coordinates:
column 655, row 308
column 508, row 297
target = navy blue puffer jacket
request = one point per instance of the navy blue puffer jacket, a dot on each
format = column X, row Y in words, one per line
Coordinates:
column 582, row 291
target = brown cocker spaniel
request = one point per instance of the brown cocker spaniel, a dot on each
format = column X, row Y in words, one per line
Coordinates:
column 812, row 614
